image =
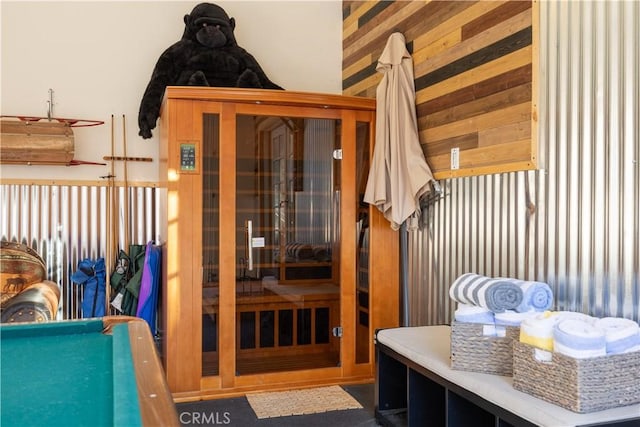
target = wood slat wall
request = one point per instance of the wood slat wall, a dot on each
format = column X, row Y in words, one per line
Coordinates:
column 473, row 63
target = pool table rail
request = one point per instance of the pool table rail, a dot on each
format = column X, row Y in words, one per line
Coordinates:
column 156, row 402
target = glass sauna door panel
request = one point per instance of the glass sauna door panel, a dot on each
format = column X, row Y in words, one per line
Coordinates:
column 210, row 244
column 287, row 244
column 363, row 317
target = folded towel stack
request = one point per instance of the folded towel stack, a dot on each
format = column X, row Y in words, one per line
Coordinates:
column 579, row 339
column 622, row 335
column 473, row 314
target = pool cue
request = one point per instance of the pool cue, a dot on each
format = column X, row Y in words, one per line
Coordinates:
column 126, row 184
column 129, row 159
column 110, row 225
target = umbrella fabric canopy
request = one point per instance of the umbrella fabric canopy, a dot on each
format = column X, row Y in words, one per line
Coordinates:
column 399, row 174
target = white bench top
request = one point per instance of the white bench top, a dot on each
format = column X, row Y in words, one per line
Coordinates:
column 429, row 347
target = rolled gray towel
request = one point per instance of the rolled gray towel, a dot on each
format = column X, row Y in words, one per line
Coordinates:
column 299, row 251
column 496, row 295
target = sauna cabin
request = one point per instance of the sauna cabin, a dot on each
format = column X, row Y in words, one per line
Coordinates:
column 277, row 274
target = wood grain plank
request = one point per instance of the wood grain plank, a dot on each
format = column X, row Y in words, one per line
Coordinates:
column 438, row 46
column 498, row 66
column 373, row 12
column 242, row 96
column 227, row 271
column 370, row 83
column 486, row 87
column 535, row 81
column 348, row 6
column 502, row 47
column 350, row 28
column 444, row 146
column 354, row 68
column 430, row 17
column 180, row 377
column 511, row 114
column 469, row 46
column 369, row 92
column 360, row 76
column 500, row 14
column 348, row 246
column 385, row 294
column 353, row 12
column 494, row 155
column 373, row 35
column 454, row 23
column 486, row 170
column 501, row 134
column 497, row 101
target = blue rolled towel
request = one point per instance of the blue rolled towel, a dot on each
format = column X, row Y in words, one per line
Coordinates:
column 472, row 314
column 536, row 296
column 496, row 295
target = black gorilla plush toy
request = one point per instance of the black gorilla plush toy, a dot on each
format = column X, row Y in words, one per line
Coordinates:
column 207, row 55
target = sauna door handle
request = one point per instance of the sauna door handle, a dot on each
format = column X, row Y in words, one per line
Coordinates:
column 248, row 227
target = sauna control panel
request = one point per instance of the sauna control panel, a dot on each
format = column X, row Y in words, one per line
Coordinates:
column 189, row 162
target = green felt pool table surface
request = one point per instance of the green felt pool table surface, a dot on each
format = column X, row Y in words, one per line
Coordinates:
column 96, row 372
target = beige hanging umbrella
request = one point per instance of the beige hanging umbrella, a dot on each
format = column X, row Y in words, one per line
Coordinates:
column 399, row 174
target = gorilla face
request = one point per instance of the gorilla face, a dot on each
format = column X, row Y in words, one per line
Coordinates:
column 212, row 33
column 209, row 25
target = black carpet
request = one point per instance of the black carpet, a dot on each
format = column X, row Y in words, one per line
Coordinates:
column 238, row 412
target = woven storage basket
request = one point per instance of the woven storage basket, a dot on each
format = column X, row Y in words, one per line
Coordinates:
column 580, row 385
column 471, row 350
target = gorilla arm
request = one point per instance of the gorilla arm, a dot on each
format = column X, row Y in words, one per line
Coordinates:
column 164, row 74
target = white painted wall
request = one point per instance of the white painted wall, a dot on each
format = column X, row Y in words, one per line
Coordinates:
column 98, row 58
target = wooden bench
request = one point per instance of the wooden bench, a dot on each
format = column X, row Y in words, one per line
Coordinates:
column 415, row 386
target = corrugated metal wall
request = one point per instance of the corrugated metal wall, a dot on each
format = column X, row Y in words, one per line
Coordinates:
column 314, row 225
column 68, row 223
column 575, row 223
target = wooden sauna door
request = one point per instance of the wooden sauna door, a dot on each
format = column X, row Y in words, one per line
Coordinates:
column 287, row 289
column 286, row 283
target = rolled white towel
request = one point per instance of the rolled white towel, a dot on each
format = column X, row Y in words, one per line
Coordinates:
column 621, row 335
column 473, row 314
column 513, row 318
column 579, row 339
column 566, row 315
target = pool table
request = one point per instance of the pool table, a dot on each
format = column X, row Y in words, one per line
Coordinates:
column 94, row 372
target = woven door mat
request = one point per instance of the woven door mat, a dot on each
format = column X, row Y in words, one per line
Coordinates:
column 301, row 402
